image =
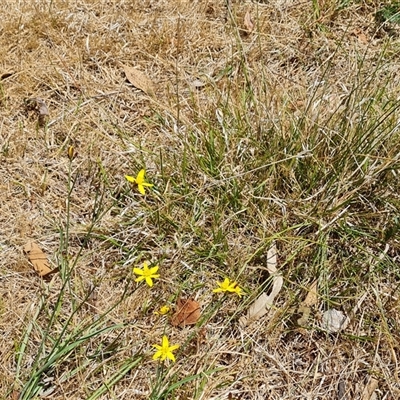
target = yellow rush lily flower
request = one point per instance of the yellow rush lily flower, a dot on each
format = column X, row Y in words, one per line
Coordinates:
column 147, row 274
column 163, row 310
column 139, row 181
column 227, row 286
column 165, row 350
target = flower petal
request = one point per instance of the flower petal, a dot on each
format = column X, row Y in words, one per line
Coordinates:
column 141, row 188
column 130, row 178
column 225, row 284
column 157, row 354
column 163, row 310
column 138, row 271
column 140, row 177
column 232, row 287
column 149, row 281
column 239, row 291
column 153, row 270
column 170, row 356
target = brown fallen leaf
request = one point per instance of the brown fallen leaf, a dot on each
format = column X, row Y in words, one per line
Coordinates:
column 264, row 302
column 361, row 36
column 139, row 80
column 15, row 395
column 187, row 313
column 305, row 306
column 248, row 22
column 312, row 295
column 38, row 259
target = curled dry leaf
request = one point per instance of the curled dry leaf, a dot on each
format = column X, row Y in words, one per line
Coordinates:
column 312, row 295
column 187, row 313
column 264, row 302
column 305, row 307
column 248, row 22
column 139, row 80
column 38, row 259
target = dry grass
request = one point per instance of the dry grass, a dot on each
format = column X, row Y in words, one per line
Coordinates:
column 292, row 139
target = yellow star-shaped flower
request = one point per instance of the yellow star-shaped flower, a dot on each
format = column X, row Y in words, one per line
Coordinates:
column 165, row 350
column 162, row 311
column 147, row 274
column 139, row 181
column 227, row 286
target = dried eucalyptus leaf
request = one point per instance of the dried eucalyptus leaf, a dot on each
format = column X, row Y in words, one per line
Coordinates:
column 139, row 80
column 264, row 302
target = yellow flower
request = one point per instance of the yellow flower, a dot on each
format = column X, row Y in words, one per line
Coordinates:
column 239, row 291
column 146, row 273
column 139, row 181
column 165, row 350
column 227, row 286
column 163, row 310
